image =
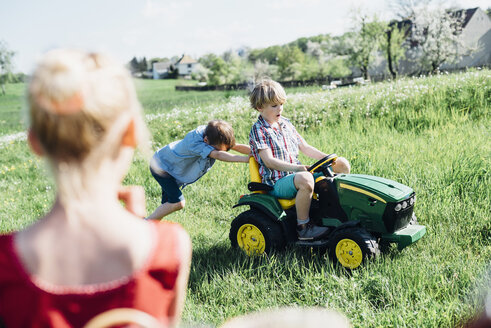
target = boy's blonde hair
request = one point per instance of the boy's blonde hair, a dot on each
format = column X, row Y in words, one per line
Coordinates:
column 267, row 92
column 76, row 99
column 220, row 132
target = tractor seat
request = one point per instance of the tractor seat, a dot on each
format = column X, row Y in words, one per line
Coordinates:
column 256, row 185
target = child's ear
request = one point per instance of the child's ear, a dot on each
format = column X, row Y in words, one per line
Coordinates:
column 205, row 139
column 34, row 143
column 129, row 136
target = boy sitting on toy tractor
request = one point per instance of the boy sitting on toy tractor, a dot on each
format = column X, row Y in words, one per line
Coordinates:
column 350, row 215
column 275, row 144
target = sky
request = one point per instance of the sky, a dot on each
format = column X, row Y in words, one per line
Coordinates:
column 167, row 28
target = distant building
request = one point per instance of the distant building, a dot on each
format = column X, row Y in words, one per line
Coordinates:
column 476, row 33
column 161, row 70
column 186, row 66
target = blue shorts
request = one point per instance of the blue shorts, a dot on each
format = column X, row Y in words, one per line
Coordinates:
column 285, row 187
column 170, row 189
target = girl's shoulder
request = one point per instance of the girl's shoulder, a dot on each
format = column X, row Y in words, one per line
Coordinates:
column 173, row 243
column 11, row 269
column 6, row 241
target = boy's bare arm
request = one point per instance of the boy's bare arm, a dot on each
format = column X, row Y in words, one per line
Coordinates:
column 277, row 164
column 243, row 149
column 310, row 151
column 226, row 157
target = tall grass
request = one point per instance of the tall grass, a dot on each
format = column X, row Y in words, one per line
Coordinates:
column 11, row 105
column 432, row 134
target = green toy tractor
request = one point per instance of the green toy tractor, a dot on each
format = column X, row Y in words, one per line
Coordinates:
column 363, row 213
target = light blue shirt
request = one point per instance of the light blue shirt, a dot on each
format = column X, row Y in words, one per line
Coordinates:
column 186, row 160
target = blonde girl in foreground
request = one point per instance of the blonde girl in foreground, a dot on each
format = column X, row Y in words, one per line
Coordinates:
column 89, row 254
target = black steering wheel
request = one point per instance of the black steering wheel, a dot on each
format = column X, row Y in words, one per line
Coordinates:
column 323, row 164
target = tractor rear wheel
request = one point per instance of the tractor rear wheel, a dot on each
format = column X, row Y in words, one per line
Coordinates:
column 255, row 233
column 350, row 247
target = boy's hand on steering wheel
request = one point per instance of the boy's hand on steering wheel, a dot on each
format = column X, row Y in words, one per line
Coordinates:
column 302, row 168
column 134, row 199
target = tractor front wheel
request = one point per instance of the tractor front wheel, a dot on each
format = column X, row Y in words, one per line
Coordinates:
column 350, row 247
column 255, row 233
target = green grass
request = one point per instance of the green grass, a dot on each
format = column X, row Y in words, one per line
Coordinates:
column 11, row 105
column 160, row 95
column 432, row 134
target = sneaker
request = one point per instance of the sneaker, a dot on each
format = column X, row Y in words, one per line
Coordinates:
column 311, row 232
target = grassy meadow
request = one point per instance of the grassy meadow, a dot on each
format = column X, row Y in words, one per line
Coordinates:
column 433, row 134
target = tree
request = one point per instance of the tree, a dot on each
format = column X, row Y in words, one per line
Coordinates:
column 315, row 50
column 269, row 54
column 262, row 69
column 342, row 45
column 406, row 9
column 367, row 40
column 217, row 68
column 138, row 66
column 173, row 72
column 133, row 65
column 200, row 73
column 234, row 67
column 290, row 61
column 310, row 69
column 301, row 43
column 337, row 67
column 143, row 65
column 6, row 65
column 436, row 36
column 394, row 47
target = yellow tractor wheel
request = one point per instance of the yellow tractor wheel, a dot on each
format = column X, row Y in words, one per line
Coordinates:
column 351, row 246
column 255, row 233
column 251, row 239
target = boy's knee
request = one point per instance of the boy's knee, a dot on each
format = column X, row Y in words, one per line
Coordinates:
column 341, row 165
column 304, row 180
column 180, row 205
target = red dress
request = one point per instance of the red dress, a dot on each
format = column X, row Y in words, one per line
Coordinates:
column 27, row 302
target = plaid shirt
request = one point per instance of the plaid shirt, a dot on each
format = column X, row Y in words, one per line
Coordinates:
column 282, row 142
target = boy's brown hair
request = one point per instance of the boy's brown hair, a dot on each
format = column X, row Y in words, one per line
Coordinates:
column 267, row 92
column 220, row 132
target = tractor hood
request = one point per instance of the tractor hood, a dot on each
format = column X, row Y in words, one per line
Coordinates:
column 389, row 190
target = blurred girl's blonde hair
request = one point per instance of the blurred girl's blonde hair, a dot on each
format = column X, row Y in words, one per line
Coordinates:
column 76, row 98
column 80, row 106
